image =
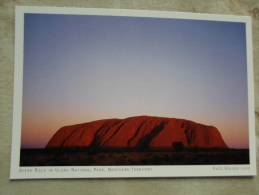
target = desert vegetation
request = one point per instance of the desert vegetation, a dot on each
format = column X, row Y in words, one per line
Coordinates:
column 91, row 157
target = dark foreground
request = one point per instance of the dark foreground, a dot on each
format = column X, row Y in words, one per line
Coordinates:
column 83, row 157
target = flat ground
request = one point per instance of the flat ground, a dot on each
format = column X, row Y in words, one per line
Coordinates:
column 84, row 157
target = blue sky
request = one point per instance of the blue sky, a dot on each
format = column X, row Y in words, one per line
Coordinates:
column 80, row 68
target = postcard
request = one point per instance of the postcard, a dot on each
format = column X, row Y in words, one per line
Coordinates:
column 106, row 93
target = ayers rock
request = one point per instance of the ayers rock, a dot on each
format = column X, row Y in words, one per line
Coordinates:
column 140, row 132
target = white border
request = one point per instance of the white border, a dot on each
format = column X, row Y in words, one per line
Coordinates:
column 18, row 172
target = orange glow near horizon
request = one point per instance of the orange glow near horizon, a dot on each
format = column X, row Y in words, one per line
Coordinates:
column 37, row 136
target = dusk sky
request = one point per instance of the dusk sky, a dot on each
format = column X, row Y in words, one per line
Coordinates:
column 80, row 68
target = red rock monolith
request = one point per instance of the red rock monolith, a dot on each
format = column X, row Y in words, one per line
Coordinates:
column 140, row 132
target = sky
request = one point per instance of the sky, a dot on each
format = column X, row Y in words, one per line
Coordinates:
column 81, row 68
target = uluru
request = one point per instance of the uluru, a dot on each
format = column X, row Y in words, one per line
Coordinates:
column 139, row 132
